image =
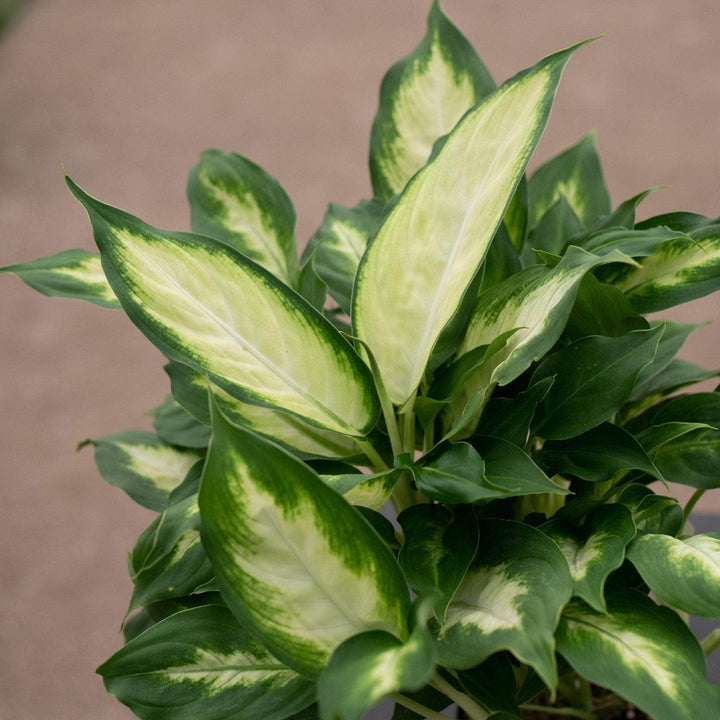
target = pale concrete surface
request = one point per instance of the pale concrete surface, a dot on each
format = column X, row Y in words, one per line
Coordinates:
column 126, row 93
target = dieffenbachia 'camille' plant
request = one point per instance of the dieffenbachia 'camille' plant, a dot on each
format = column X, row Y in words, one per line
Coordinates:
column 485, row 370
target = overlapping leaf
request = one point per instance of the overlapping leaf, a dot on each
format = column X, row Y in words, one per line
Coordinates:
column 190, row 389
column 296, row 563
column 421, row 99
column 142, row 465
column 641, row 651
column 510, row 599
column 237, row 202
column 200, row 302
column 684, row 573
column 435, row 238
column 201, row 665
column 72, row 273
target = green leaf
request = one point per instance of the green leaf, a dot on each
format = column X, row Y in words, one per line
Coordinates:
column 370, row 491
column 598, row 454
column 235, row 201
column 310, row 286
column 601, row 309
column 339, row 244
column 673, row 338
column 509, row 418
column 168, row 560
column 433, row 241
column 510, row 599
column 297, row 565
column 369, row 666
column 422, row 97
column 643, row 652
column 177, row 426
column 515, row 219
column 594, row 377
column 684, row 573
column 142, row 465
column 676, row 375
column 635, row 243
column 501, row 260
column 440, row 543
column 594, row 550
column 678, row 221
column 198, row 301
column 493, row 684
column 552, row 231
column 428, row 697
column 574, row 174
column 538, row 301
column 680, row 270
column 624, row 214
column 190, row 389
column 200, row 664
column 652, row 513
column 72, row 274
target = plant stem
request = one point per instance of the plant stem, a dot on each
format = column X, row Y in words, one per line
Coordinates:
column 407, row 418
column 691, row 503
column 567, row 712
column 416, row 707
column 711, row 642
column 474, row 711
column 373, row 455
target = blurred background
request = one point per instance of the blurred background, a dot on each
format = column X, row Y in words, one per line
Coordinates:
column 125, row 94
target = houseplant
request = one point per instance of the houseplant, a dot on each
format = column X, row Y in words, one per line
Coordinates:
column 492, row 373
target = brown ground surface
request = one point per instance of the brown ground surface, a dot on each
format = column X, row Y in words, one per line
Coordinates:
column 126, row 93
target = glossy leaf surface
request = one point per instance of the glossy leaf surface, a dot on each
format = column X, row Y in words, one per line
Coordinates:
column 201, row 665
column 198, row 301
column 297, row 565
column 436, row 236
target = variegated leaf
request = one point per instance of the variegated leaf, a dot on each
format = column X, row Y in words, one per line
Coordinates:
column 421, row 99
column 684, row 573
column 594, row 550
column 142, row 465
column 435, row 238
column 643, row 652
column 237, row 202
column 537, row 301
column 680, row 270
column 297, row 565
column 576, row 175
column 510, row 599
column 72, row 273
column 206, row 305
column 190, row 389
column 200, row 664
column 370, row 666
column 370, row 491
column 168, row 559
column 340, row 242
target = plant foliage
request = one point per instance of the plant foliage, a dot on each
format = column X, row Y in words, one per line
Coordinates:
column 483, row 369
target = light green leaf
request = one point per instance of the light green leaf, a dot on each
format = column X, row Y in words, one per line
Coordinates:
column 72, row 273
column 190, row 389
column 200, row 664
column 510, row 599
column 574, row 174
column 370, row 491
column 168, row 560
column 594, row 550
column 422, row 97
column 594, row 377
column 297, row 565
column 643, row 652
column 439, row 545
column 142, row 465
column 369, row 666
column 435, row 238
column 340, row 242
column 177, row 426
column 538, row 301
column 680, row 270
column 199, row 301
column 684, row 573
column 235, row 201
